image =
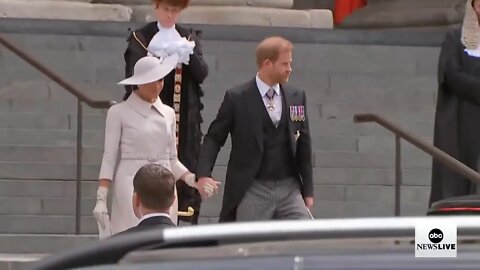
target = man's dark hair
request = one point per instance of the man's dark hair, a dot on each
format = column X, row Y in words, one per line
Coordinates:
column 155, row 186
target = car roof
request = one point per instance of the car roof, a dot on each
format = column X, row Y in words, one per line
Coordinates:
column 384, row 237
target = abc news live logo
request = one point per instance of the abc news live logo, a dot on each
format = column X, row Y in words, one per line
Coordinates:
column 435, row 240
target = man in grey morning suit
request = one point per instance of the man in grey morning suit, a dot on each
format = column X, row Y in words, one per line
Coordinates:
column 269, row 174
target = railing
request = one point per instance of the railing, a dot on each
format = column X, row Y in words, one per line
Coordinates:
column 436, row 153
column 81, row 98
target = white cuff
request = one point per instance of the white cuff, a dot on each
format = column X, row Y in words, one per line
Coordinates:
column 190, row 179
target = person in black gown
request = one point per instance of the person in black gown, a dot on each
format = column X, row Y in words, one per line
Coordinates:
column 457, row 129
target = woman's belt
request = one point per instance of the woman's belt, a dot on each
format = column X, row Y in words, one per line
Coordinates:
column 150, row 158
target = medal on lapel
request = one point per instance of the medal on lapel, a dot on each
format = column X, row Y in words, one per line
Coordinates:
column 297, row 113
column 301, row 113
column 292, row 113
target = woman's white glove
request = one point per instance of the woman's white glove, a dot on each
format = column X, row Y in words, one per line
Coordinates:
column 100, row 212
column 190, row 180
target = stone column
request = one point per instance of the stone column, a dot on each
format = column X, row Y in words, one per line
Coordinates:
column 406, row 14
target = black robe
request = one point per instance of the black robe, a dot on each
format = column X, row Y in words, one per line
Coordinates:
column 190, row 105
column 457, row 120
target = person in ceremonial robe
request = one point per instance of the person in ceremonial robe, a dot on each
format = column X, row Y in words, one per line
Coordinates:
column 457, row 129
column 182, row 89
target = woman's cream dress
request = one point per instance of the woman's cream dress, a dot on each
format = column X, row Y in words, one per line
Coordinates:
column 137, row 133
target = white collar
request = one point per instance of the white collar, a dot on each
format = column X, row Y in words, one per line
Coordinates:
column 161, row 28
column 143, row 107
column 263, row 87
column 154, row 215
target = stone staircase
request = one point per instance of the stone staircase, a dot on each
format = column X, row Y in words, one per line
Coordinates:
column 217, row 12
column 354, row 163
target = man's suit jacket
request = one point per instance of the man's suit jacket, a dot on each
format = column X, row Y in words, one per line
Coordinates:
column 240, row 115
column 158, row 222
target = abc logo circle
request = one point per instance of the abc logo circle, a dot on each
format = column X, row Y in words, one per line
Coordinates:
column 435, row 236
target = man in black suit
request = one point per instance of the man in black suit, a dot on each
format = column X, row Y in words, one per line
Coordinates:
column 153, row 194
column 269, row 174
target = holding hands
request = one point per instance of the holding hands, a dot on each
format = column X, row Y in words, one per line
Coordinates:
column 205, row 185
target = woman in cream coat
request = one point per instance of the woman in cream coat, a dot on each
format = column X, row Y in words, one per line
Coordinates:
column 138, row 131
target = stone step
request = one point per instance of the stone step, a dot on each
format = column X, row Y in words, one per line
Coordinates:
column 258, row 16
column 324, row 193
column 379, row 160
column 414, row 174
column 254, row 3
column 60, row 145
column 42, row 9
column 46, row 105
column 50, row 137
column 62, row 155
column 39, row 244
column 381, row 144
column 334, row 143
column 264, row 13
column 45, row 206
column 51, row 189
column 386, row 83
column 46, row 170
column 347, row 128
column 51, row 224
column 30, row 120
column 391, row 110
column 86, row 46
column 20, row 92
column 369, row 176
column 51, row 154
column 334, row 157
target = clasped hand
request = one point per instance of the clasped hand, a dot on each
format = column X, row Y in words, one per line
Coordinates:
column 207, row 186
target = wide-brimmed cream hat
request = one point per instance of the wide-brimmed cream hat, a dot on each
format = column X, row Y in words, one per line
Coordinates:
column 151, row 69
